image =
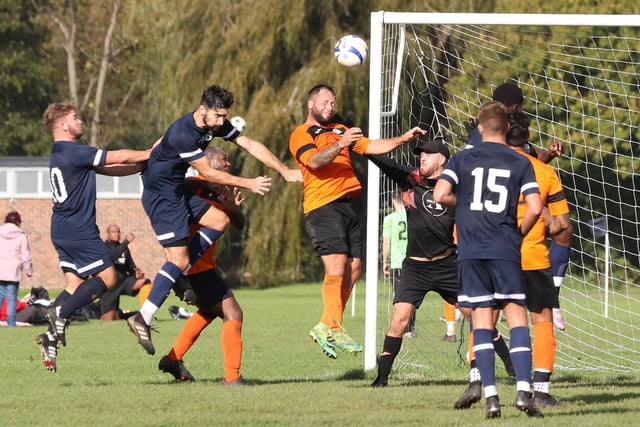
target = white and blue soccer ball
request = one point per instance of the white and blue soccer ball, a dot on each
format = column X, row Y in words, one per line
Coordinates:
column 351, row 51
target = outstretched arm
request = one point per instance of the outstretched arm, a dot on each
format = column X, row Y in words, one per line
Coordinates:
column 259, row 185
column 121, row 170
column 382, row 146
column 261, row 152
column 394, row 170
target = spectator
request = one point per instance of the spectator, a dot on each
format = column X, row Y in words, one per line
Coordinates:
column 15, row 258
column 130, row 280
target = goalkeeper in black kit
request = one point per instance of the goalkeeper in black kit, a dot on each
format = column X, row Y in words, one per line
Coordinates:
column 431, row 263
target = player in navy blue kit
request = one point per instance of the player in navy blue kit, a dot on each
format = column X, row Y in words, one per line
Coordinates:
column 431, row 263
column 170, row 207
column 484, row 184
column 84, row 259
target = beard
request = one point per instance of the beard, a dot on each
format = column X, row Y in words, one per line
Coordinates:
column 77, row 132
column 318, row 117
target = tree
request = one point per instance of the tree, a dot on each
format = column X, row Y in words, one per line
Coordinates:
column 23, row 90
column 91, row 39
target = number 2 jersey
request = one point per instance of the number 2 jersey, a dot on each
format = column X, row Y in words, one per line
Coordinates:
column 488, row 180
column 72, row 177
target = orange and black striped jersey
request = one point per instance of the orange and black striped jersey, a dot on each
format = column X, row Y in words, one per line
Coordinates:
column 208, row 259
column 337, row 179
column 535, row 255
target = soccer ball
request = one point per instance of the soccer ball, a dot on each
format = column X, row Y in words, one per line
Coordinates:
column 351, row 51
column 238, row 122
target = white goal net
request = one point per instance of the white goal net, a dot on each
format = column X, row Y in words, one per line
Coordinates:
column 580, row 76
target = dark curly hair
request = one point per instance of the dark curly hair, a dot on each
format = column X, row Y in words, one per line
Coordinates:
column 518, row 133
column 14, row 218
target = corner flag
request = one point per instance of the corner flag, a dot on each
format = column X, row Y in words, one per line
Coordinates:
column 599, row 226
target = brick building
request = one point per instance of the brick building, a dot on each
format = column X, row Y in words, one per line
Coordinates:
column 24, row 187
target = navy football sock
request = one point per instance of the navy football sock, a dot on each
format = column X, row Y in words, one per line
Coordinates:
column 88, row 291
column 202, row 241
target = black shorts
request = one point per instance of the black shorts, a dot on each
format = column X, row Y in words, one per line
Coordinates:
column 335, row 229
column 210, row 288
column 541, row 292
column 111, row 300
column 420, row 277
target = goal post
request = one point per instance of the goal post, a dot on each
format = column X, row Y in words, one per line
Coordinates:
column 580, row 76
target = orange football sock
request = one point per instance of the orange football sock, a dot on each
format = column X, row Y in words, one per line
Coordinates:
column 231, row 340
column 143, row 293
column 345, row 294
column 449, row 312
column 189, row 334
column 544, row 346
column 332, row 299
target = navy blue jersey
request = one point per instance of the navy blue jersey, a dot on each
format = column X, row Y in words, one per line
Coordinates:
column 73, row 185
column 182, row 143
column 488, row 180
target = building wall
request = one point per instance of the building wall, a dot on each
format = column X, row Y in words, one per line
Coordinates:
column 127, row 213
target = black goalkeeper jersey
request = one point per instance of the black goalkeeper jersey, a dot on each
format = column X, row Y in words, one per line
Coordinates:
column 429, row 224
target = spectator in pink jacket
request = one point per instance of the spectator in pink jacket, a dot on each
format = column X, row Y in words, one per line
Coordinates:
column 15, row 258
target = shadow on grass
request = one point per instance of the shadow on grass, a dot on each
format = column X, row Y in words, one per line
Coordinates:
column 351, row 375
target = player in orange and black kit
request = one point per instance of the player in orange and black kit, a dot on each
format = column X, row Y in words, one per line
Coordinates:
column 215, row 298
column 321, row 148
column 540, row 290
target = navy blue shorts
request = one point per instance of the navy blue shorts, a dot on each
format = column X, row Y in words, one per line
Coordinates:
column 210, row 288
column 335, row 229
column 420, row 277
column 541, row 293
column 82, row 257
column 488, row 282
column 170, row 214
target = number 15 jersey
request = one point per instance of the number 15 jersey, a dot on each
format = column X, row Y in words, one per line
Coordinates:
column 488, row 180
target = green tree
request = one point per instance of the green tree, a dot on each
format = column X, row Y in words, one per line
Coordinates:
column 23, row 89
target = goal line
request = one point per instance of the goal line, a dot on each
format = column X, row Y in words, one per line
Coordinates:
column 580, row 77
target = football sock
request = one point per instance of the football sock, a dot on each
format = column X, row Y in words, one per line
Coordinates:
column 143, row 293
column 450, row 318
column 541, row 382
column 390, row 350
column 544, row 347
column 189, row 334
column 60, row 300
column 559, row 259
column 202, row 240
column 474, row 373
column 449, row 312
column 159, row 290
column 501, row 348
column 485, row 359
column 345, row 293
column 231, row 340
column 520, row 344
column 332, row 300
column 88, row 291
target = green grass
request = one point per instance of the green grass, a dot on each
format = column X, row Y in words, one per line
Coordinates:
column 105, row 378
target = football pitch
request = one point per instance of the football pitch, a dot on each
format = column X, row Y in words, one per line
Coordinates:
column 105, row 378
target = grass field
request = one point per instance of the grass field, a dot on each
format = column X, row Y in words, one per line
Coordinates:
column 105, row 378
